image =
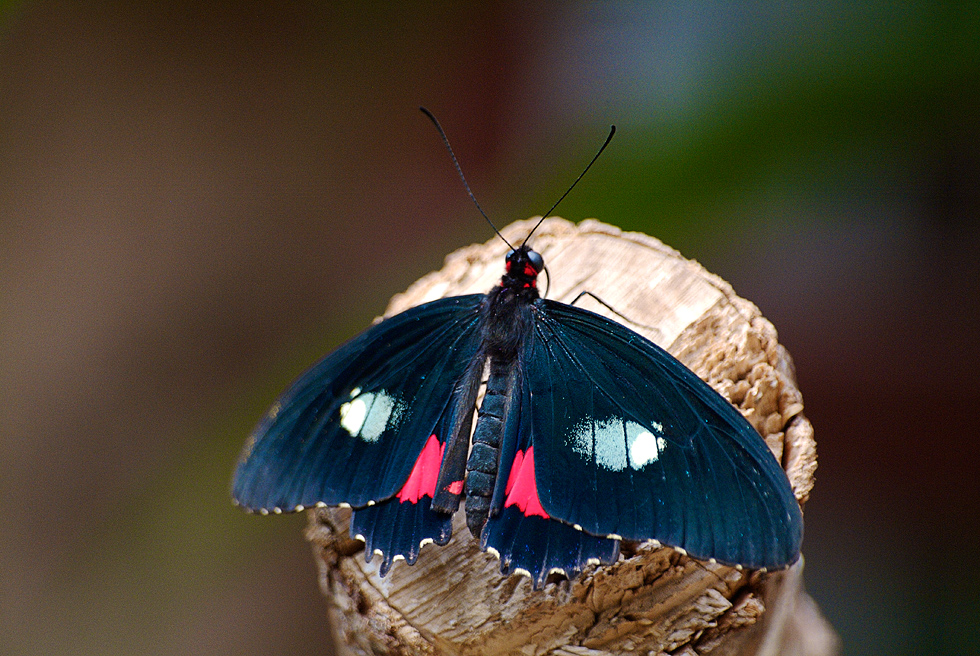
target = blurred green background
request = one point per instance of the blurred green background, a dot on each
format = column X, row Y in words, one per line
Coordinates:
column 198, row 200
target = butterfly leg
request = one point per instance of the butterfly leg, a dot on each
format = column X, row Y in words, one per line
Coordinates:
column 611, row 309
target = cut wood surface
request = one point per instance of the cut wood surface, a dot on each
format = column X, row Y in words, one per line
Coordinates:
column 654, row 600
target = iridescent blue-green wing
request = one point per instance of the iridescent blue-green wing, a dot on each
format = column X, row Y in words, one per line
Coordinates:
column 352, row 429
column 628, row 442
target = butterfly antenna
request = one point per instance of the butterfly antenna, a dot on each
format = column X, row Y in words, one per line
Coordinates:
column 612, row 131
column 452, row 155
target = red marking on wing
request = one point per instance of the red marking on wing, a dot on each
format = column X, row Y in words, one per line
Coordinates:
column 422, row 481
column 522, row 490
column 456, row 487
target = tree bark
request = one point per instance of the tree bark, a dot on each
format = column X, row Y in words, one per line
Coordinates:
column 654, row 600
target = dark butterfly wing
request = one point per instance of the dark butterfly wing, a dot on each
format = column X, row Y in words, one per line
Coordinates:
column 520, row 532
column 629, row 442
column 401, row 525
column 396, row 528
column 354, row 427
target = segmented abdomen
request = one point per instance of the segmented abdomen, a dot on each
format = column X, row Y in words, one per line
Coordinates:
column 482, row 465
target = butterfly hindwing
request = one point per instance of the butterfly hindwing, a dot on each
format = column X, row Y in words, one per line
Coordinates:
column 519, row 531
column 629, row 442
column 353, row 427
column 399, row 526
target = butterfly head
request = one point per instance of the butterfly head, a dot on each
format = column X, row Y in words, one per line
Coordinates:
column 523, row 267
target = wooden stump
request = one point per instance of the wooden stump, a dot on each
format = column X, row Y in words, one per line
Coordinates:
column 654, row 600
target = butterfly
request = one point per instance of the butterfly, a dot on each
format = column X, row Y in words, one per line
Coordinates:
column 587, row 434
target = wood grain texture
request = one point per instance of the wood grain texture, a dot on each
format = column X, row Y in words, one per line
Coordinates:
column 654, row 600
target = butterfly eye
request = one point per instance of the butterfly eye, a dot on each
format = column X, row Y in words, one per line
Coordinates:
column 536, row 261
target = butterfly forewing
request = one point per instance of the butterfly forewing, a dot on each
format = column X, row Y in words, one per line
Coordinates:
column 630, row 442
column 351, row 429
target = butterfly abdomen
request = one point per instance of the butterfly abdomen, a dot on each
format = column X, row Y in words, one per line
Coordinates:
column 483, row 463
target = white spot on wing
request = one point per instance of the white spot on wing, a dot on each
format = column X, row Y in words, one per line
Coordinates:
column 352, row 415
column 645, row 449
column 367, row 415
column 615, row 443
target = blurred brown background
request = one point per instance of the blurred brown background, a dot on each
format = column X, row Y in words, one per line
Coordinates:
column 196, row 201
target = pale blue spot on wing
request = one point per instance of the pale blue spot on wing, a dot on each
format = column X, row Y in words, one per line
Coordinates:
column 616, row 443
column 368, row 415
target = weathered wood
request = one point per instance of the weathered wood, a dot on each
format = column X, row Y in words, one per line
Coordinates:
column 654, row 600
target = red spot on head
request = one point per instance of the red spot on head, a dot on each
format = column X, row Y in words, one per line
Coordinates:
column 522, row 490
column 422, row 481
column 528, row 271
column 456, row 487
